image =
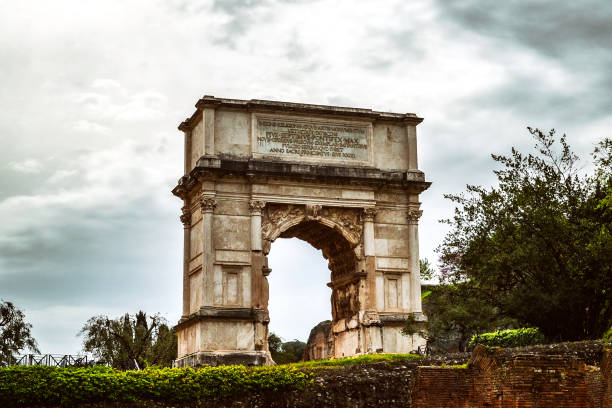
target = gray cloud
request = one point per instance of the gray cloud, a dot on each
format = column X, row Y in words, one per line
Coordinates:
column 241, row 15
column 574, row 35
column 557, row 29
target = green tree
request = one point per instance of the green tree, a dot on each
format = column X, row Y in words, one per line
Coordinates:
column 538, row 247
column 426, row 270
column 455, row 313
column 122, row 342
column 274, row 343
column 602, row 156
column 285, row 352
column 14, row 333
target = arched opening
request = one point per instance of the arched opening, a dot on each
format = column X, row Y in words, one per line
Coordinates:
column 304, row 267
column 299, row 295
column 335, row 248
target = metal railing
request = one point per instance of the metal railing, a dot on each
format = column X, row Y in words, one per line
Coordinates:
column 55, row 360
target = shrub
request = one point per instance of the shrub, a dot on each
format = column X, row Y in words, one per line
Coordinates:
column 508, row 338
column 364, row 359
column 53, row 386
column 608, row 335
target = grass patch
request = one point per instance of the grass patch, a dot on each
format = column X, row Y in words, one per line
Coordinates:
column 367, row 358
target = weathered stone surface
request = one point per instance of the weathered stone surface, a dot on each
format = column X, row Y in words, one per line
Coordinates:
column 320, row 342
column 256, row 171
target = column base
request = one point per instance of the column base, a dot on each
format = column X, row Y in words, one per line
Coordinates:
column 216, row 358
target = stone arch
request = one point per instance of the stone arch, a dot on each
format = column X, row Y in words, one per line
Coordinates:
column 336, row 231
column 345, row 180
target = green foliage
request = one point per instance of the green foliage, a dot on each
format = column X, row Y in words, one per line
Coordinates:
column 525, row 336
column 538, row 247
column 274, row 343
column 285, row 352
column 120, row 342
column 602, row 156
column 48, row 386
column 455, row 312
column 366, row 358
column 608, row 335
column 425, row 269
column 14, row 333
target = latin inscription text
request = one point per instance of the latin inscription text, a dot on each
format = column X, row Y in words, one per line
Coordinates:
column 288, row 137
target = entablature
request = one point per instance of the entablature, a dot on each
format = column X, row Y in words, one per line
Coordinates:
column 213, row 167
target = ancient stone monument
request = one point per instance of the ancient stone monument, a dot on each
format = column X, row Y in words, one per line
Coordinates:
column 344, row 180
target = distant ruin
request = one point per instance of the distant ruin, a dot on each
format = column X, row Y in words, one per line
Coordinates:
column 320, row 344
column 345, row 180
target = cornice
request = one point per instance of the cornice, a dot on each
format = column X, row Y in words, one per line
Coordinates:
column 209, row 101
column 211, row 168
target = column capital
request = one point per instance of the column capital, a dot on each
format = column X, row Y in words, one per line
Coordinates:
column 413, row 215
column 186, row 217
column 207, row 204
column 369, row 214
column 256, row 207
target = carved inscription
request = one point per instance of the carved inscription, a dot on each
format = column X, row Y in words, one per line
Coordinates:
column 299, row 138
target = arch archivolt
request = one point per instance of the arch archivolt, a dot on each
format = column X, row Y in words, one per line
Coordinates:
column 336, row 231
column 278, row 218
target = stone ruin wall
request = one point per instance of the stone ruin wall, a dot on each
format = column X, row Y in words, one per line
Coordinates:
column 571, row 375
column 320, row 342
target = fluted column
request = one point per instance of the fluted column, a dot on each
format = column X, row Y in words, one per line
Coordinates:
column 258, row 260
column 369, row 250
column 186, row 220
column 413, row 216
column 207, row 206
column 368, row 231
column 255, row 208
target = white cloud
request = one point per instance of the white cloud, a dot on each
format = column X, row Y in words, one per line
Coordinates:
column 86, row 126
column 108, row 100
column 26, row 166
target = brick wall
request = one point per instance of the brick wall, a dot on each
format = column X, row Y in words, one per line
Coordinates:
column 509, row 379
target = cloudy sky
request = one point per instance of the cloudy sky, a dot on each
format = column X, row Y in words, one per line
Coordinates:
column 92, row 92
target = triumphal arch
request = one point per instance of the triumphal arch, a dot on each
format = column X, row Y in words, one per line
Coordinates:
column 344, row 180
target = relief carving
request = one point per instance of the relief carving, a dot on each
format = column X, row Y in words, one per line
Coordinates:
column 369, row 214
column 349, row 219
column 207, row 204
column 186, row 216
column 413, row 215
column 255, row 207
column 278, row 215
column 312, row 211
column 345, row 301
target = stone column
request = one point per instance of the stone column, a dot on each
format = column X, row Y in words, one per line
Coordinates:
column 207, row 205
column 368, row 231
column 257, row 256
column 255, row 208
column 186, row 220
column 208, row 118
column 413, row 216
column 369, row 250
column 412, row 147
